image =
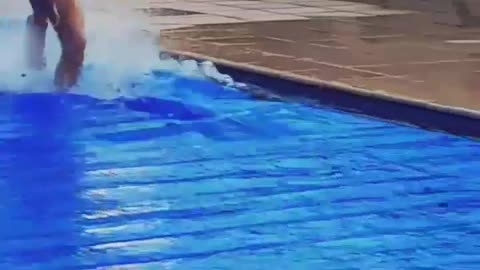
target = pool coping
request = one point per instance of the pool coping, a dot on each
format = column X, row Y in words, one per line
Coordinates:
column 467, row 121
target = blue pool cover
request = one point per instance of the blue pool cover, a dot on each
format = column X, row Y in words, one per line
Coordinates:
column 208, row 178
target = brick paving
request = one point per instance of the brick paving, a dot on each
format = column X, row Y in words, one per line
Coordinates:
column 423, row 50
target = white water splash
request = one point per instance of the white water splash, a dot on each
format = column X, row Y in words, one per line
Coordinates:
column 119, row 52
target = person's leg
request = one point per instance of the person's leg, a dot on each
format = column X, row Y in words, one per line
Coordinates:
column 37, row 24
column 71, row 33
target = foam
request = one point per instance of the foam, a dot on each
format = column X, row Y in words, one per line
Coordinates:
column 119, row 53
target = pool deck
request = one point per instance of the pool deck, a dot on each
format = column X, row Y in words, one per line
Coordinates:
column 427, row 51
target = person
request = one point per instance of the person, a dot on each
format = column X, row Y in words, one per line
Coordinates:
column 67, row 19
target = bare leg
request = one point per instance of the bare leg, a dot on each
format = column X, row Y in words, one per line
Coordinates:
column 37, row 24
column 71, row 61
column 71, row 33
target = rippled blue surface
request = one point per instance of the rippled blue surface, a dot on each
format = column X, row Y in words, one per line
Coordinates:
column 207, row 178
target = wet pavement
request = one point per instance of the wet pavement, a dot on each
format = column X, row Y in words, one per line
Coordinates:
column 427, row 50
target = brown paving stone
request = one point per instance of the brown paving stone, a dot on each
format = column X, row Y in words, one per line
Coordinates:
column 330, row 73
column 229, row 39
column 284, row 63
column 429, row 71
column 240, row 55
column 440, row 92
column 395, row 86
column 412, row 55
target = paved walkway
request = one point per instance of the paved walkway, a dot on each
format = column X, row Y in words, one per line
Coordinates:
column 421, row 49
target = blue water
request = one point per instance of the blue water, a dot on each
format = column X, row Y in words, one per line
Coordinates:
column 208, row 178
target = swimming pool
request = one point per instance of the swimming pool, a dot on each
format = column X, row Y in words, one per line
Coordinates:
column 207, row 177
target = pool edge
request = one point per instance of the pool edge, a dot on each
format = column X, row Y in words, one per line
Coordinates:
column 469, row 118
